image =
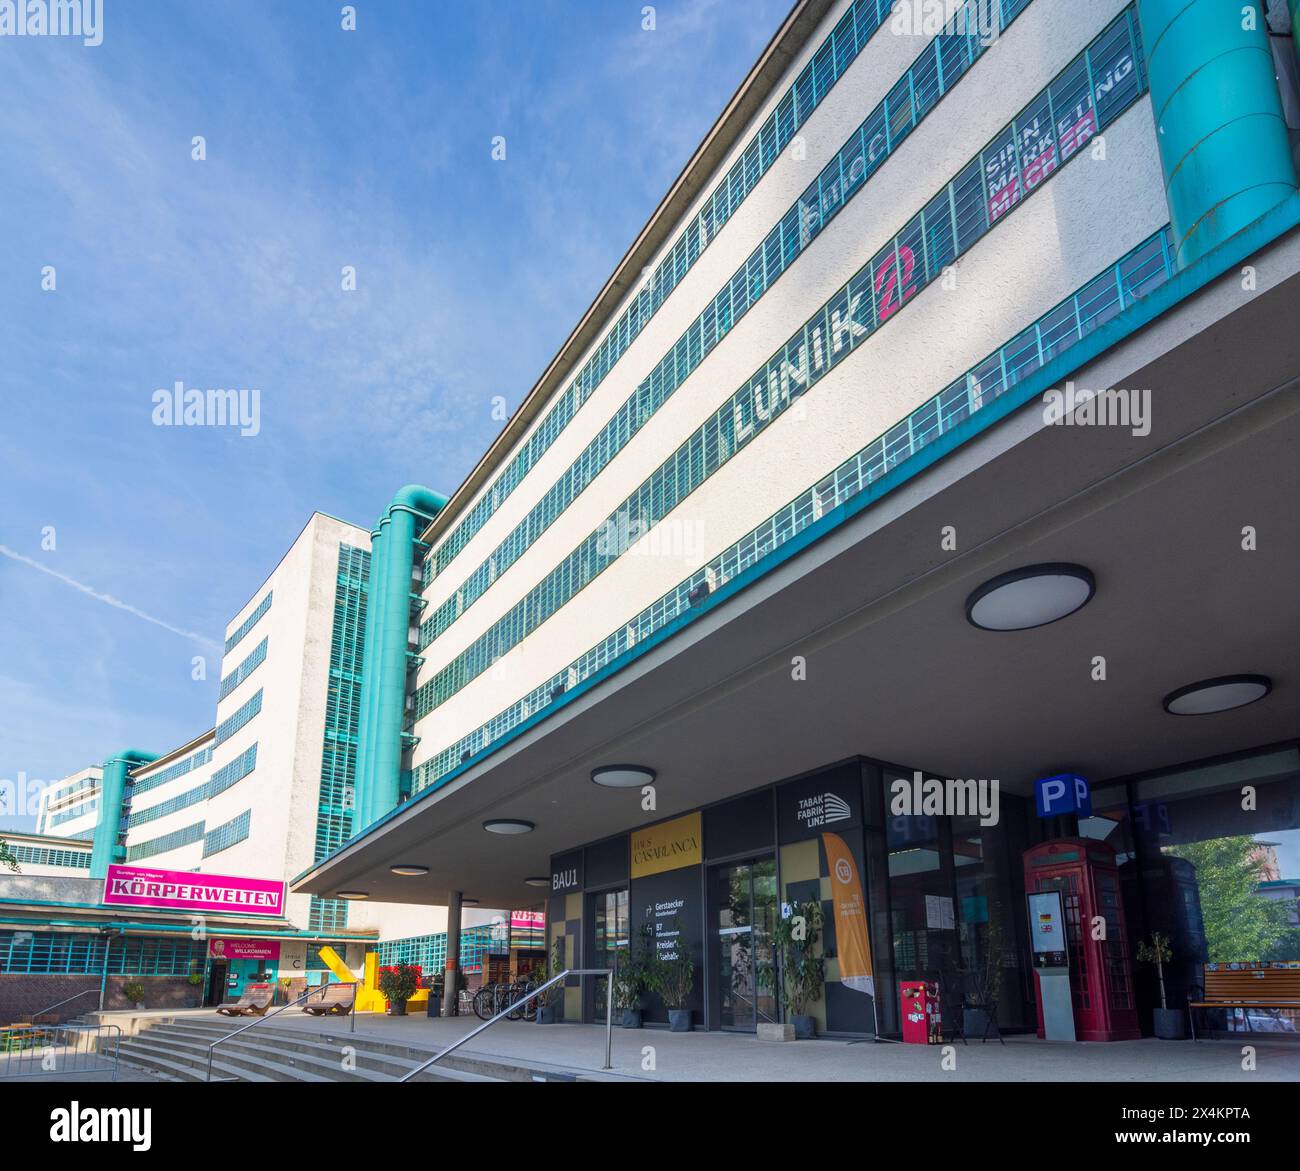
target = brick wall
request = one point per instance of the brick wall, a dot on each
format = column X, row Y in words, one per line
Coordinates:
column 23, row 994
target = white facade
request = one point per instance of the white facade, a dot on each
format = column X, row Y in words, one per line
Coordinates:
column 69, row 808
column 1068, row 232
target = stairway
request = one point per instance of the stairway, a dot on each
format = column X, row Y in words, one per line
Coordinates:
column 176, row 1049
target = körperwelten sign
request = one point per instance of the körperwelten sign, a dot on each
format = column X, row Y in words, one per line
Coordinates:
column 180, row 890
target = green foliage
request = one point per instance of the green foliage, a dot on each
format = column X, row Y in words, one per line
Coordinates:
column 1240, row 925
column 673, row 979
column 398, row 984
column 7, row 860
column 1157, row 952
column 634, row 969
column 133, row 991
column 554, row 968
column 798, row 971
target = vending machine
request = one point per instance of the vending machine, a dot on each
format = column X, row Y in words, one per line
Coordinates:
column 1100, row 968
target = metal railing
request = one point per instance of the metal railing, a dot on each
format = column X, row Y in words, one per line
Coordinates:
column 318, row 991
column 35, row 1017
column 609, row 1017
column 51, row 1050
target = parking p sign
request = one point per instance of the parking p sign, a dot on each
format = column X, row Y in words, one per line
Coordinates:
column 1063, row 793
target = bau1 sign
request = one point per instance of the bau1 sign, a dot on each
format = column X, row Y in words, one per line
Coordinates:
column 180, row 890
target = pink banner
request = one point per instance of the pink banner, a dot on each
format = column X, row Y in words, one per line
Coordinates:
column 136, row 886
column 244, row 949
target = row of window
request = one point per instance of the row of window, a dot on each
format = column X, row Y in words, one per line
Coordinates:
column 230, row 834
column 51, row 856
column 52, row 953
column 229, row 726
column 1142, row 270
column 429, row 952
column 1090, row 92
column 185, row 836
column 171, row 772
column 244, row 670
column 930, row 77
column 74, row 812
column 248, row 623
column 836, row 53
column 219, row 782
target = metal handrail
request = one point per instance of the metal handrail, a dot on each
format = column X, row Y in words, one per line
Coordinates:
column 317, row 991
column 609, row 1017
column 61, row 1003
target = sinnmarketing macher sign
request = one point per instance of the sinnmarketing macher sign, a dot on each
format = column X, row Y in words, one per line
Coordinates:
column 180, row 890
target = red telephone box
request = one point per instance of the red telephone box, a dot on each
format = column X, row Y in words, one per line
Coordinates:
column 1101, row 974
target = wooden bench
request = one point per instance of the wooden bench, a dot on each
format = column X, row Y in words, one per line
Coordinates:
column 254, row 1002
column 1246, row 986
column 335, row 1000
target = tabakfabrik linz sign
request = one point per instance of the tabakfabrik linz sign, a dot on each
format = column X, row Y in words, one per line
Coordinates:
column 134, row 886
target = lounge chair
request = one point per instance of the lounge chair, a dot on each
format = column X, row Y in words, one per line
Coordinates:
column 255, row 1001
column 334, row 1000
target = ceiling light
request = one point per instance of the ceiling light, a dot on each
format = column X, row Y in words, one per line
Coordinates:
column 623, row 776
column 508, row 825
column 409, row 870
column 1029, row 597
column 353, row 894
column 1217, row 695
column 538, row 880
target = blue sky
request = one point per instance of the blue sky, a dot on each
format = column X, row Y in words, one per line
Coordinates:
column 325, row 148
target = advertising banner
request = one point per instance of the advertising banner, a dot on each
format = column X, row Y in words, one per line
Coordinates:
column 244, row 949
column 181, row 890
column 850, row 917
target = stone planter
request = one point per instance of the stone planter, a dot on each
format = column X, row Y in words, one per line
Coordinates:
column 770, row 1031
column 679, row 1020
column 1169, row 1024
column 548, row 1014
column 631, row 1018
column 805, row 1027
column 396, row 1008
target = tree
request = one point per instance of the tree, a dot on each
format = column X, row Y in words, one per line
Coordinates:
column 7, row 860
column 1240, row 925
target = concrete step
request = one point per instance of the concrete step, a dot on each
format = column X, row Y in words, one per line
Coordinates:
column 183, row 1050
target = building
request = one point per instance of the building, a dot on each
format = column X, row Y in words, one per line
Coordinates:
column 261, row 795
column 942, row 334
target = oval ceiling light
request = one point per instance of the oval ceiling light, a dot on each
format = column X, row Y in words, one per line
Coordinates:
column 1221, row 694
column 623, row 776
column 409, row 870
column 508, row 825
column 1030, row 597
column 537, row 880
column 353, row 894
column 464, row 902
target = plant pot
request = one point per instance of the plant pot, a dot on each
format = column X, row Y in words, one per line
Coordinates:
column 397, row 1008
column 631, row 1018
column 805, row 1027
column 975, row 1022
column 679, row 1020
column 140, row 1007
column 1169, row 1023
column 434, row 1007
column 548, row 1014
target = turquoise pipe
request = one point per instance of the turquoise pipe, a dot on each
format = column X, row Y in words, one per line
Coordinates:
column 1219, row 124
column 388, row 623
column 366, row 706
column 112, row 792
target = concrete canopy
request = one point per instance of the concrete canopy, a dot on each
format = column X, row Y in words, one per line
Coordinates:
column 894, row 670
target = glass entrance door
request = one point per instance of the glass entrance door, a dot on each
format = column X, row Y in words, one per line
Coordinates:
column 610, row 924
column 743, row 907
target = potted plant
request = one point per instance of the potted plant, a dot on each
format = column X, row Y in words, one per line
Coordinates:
column 551, row 1002
column 981, row 985
column 1168, row 1022
column 133, row 990
column 674, row 981
column 435, row 985
column 397, row 985
column 796, row 972
column 195, row 980
column 634, row 973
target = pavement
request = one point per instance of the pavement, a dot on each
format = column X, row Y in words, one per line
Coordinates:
column 652, row 1054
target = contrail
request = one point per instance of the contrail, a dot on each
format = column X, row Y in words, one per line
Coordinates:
column 108, row 599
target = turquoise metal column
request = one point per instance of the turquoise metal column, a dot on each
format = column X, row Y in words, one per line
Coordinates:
column 112, row 792
column 379, row 750
column 1222, row 137
column 366, row 706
